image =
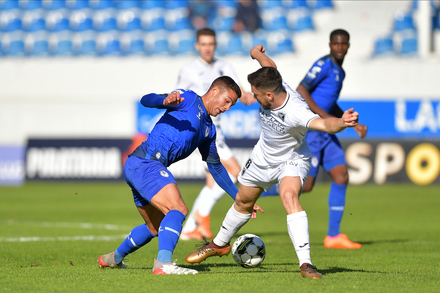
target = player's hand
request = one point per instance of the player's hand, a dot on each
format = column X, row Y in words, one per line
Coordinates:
column 173, row 99
column 361, row 130
column 350, row 118
column 254, row 212
column 258, row 49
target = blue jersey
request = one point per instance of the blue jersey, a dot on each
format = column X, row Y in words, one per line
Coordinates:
column 324, row 82
column 181, row 129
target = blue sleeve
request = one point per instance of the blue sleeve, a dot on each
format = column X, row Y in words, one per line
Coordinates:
column 315, row 75
column 153, row 101
column 222, row 178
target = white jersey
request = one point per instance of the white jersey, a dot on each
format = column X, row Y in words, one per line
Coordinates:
column 199, row 75
column 283, row 131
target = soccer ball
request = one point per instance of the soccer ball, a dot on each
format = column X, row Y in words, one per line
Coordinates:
column 248, row 250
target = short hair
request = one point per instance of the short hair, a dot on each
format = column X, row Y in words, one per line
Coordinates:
column 205, row 32
column 267, row 79
column 339, row 32
column 225, row 83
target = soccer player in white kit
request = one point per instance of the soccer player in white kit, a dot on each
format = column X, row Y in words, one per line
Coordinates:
column 198, row 76
column 280, row 156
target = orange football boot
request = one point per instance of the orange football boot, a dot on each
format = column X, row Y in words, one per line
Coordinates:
column 203, row 225
column 340, row 241
column 194, row 234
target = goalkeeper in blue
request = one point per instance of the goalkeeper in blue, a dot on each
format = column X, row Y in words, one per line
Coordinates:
column 185, row 126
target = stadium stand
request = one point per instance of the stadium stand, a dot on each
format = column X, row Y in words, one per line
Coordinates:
column 125, row 27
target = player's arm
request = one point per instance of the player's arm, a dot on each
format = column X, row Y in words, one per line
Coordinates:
column 359, row 128
column 162, row 101
column 258, row 52
column 304, row 92
column 222, row 178
column 334, row 125
column 247, row 98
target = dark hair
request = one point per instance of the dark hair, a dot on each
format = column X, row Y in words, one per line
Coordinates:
column 339, row 32
column 205, row 32
column 225, row 83
column 267, row 79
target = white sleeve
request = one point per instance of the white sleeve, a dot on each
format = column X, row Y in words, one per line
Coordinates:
column 184, row 81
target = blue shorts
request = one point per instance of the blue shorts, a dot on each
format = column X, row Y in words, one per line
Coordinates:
column 146, row 178
column 326, row 151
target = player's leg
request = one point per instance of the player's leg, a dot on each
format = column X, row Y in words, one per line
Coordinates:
column 334, row 164
column 292, row 178
column 236, row 217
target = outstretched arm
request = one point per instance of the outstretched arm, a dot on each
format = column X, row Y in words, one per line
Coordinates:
column 162, row 101
column 334, row 125
column 258, row 52
column 359, row 128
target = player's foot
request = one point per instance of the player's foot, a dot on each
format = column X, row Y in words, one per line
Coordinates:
column 108, row 261
column 207, row 250
column 309, row 271
column 170, row 268
column 340, row 241
column 203, row 225
column 194, row 234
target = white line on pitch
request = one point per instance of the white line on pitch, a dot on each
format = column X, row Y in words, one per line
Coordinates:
column 66, row 225
column 71, row 238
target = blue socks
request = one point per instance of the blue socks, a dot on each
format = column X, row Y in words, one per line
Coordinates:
column 137, row 238
column 336, row 205
column 169, row 233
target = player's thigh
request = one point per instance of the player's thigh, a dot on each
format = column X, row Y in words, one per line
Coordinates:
column 152, row 217
column 334, row 161
column 339, row 174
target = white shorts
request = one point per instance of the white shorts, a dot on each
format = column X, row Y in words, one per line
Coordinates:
column 266, row 176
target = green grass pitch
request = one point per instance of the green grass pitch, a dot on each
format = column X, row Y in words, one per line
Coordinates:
column 51, row 235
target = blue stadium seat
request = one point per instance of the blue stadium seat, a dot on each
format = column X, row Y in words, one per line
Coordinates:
column 77, row 4
column 156, row 43
column 125, row 4
column 221, row 24
column 182, row 42
column 33, row 20
column 29, row 4
column 13, row 44
column 153, row 19
column 104, row 20
column 403, row 21
column 128, row 20
column 132, row 42
column 384, row 46
column 10, row 20
column 229, row 44
column 53, row 4
column 320, row 4
column 269, row 4
column 57, row 20
column 60, row 43
column 9, row 4
column 81, row 20
column 300, row 20
column 172, row 4
column 280, row 42
column 260, row 37
column 408, row 46
column 177, row 19
column 295, row 4
column 107, row 43
column 84, row 43
column 273, row 19
column 37, row 44
column 152, row 4
column 101, row 4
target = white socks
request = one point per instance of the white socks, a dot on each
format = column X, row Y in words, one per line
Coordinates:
column 231, row 224
column 190, row 223
column 209, row 199
column 298, row 228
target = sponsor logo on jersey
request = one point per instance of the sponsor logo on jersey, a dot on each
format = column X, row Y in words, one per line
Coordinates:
column 271, row 122
column 282, row 115
column 164, row 173
column 158, row 155
column 199, row 115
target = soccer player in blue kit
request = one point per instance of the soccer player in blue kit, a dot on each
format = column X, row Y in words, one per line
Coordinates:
column 185, row 126
column 320, row 88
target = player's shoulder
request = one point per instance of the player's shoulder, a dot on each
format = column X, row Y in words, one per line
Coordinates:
column 191, row 66
column 324, row 60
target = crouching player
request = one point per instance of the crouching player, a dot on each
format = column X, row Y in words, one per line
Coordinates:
column 185, row 126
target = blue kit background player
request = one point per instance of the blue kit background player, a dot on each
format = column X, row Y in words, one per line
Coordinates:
column 185, row 126
column 320, row 88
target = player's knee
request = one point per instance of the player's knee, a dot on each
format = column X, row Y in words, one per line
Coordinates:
column 341, row 178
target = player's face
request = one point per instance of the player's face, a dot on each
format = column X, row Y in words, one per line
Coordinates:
column 339, row 46
column 206, row 47
column 222, row 102
column 262, row 98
